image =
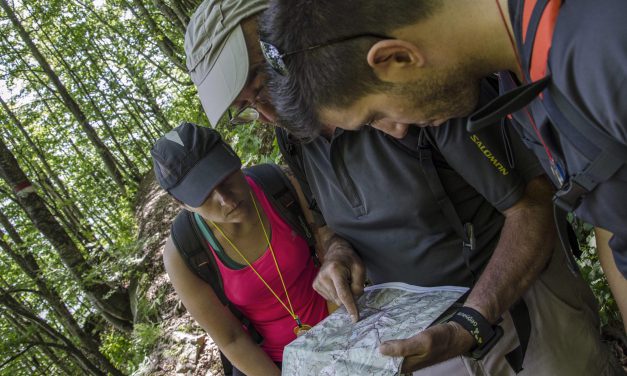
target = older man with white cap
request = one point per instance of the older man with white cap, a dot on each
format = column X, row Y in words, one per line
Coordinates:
column 219, row 37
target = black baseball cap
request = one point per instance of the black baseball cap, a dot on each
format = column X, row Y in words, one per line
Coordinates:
column 190, row 161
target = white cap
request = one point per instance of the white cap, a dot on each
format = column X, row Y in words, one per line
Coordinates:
column 217, row 56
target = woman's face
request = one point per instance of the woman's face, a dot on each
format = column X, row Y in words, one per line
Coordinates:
column 229, row 202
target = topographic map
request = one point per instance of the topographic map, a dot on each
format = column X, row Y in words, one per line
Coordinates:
column 388, row 311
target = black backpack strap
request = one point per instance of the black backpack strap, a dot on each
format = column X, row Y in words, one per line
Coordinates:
column 292, row 152
column 506, row 104
column 607, row 155
column 193, row 248
column 522, row 323
column 464, row 230
column 283, row 198
column 567, row 238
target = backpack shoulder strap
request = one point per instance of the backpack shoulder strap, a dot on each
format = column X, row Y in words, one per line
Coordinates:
column 193, row 248
column 464, row 230
column 537, row 27
column 191, row 245
column 282, row 197
column 292, row 153
column 538, row 24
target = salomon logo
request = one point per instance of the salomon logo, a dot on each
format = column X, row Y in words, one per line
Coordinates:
column 488, row 154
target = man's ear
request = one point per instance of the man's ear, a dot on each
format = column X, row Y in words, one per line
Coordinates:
column 394, row 60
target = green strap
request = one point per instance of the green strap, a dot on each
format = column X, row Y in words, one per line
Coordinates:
column 211, row 238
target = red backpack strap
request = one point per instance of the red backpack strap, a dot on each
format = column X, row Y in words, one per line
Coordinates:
column 538, row 24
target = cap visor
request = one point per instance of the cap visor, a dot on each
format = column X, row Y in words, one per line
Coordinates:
column 226, row 78
column 207, row 174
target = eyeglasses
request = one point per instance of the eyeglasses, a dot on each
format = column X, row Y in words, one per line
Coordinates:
column 248, row 112
column 275, row 58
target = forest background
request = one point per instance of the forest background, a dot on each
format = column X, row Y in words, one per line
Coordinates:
column 86, row 87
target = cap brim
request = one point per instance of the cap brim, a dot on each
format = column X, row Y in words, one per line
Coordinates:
column 226, row 78
column 207, row 174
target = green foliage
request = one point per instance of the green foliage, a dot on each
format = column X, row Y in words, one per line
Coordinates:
column 592, row 272
column 254, row 143
column 116, row 346
column 126, row 351
column 145, row 336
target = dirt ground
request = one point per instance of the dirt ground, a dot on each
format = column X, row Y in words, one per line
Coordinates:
column 184, row 348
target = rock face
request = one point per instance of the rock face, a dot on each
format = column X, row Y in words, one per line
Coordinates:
column 183, row 347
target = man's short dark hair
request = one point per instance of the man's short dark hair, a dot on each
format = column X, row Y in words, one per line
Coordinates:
column 333, row 76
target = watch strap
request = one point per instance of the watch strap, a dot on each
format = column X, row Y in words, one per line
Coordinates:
column 484, row 333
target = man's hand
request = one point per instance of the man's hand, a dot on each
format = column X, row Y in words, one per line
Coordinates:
column 434, row 345
column 342, row 275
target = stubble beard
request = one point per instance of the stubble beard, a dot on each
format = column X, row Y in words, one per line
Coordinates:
column 452, row 94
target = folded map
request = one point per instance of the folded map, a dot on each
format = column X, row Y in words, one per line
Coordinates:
column 387, row 311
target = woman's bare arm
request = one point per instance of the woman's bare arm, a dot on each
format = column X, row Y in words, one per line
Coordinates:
column 205, row 307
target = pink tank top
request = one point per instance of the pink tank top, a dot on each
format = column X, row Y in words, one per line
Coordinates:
column 250, row 296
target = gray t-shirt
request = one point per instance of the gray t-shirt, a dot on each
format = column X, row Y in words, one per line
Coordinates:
column 372, row 191
column 588, row 62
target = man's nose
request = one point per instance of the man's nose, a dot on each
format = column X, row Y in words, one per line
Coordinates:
column 267, row 113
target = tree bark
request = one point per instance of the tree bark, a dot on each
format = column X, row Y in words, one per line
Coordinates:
column 69, row 207
column 115, row 308
column 170, row 14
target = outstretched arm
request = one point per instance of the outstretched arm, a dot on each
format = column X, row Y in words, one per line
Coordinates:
column 524, row 248
column 205, row 307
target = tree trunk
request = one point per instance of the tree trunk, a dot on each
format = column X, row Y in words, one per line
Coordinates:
column 36, row 337
column 170, row 14
column 115, row 308
column 139, row 150
column 167, row 47
column 68, row 100
column 69, row 207
column 18, row 124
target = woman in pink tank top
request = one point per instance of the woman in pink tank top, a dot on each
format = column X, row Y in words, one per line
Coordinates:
column 266, row 267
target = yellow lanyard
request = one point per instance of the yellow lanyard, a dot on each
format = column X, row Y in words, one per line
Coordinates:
column 300, row 328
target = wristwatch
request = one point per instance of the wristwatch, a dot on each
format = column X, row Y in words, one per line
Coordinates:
column 485, row 334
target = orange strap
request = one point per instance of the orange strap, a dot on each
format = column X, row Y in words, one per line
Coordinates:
column 543, row 37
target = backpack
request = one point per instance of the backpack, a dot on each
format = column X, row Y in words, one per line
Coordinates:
column 606, row 154
column 191, row 239
column 292, row 154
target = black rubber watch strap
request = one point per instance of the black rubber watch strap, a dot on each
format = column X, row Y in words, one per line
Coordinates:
column 474, row 322
column 484, row 333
